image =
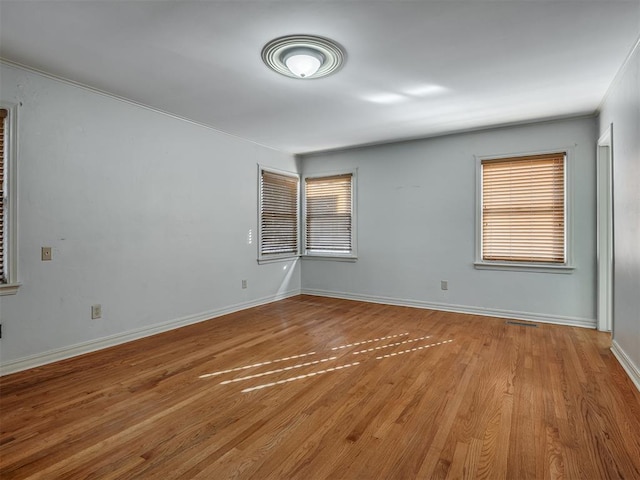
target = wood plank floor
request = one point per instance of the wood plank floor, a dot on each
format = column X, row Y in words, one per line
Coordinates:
column 315, row 388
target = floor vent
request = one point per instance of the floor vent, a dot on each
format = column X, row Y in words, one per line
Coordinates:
column 521, row 324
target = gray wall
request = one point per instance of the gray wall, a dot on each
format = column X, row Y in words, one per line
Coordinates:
column 622, row 109
column 151, row 216
column 416, row 227
column 155, row 218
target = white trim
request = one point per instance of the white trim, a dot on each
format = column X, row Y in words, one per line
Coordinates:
column 566, row 267
column 450, row 133
column 632, row 370
column 278, row 258
column 446, row 307
column 58, row 354
column 604, row 205
column 619, row 75
column 331, row 258
column 9, row 288
column 353, row 255
column 11, row 207
column 104, row 93
column 524, row 267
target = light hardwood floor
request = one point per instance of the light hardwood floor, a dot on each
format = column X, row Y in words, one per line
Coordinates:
column 374, row 392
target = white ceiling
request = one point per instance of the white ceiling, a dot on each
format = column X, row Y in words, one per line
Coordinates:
column 414, row 68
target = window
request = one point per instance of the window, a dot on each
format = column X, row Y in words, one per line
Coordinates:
column 523, row 210
column 8, row 231
column 4, row 113
column 329, row 216
column 278, row 215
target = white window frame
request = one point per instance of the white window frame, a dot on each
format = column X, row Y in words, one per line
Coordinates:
column 566, row 267
column 346, row 257
column 11, row 199
column 278, row 257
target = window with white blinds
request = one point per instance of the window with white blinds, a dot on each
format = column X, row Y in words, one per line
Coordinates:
column 8, row 197
column 329, row 215
column 3, row 271
column 279, row 218
column 524, row 209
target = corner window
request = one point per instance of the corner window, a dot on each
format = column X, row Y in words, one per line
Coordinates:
column 329, row 216
column 278, row 215
column 523, row 212
column 8, row 198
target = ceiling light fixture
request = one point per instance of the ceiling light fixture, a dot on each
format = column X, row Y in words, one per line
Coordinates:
column 303, row 56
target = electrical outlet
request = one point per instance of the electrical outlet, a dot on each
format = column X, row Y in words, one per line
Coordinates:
column 46, row 254
column 96, row 311
column 244, row 284
column 444, row 285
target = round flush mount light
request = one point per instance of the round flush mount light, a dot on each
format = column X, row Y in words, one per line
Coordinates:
column 303, row 56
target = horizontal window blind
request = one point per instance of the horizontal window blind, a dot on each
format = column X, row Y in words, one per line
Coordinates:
column 523, row 209
column 3, row 120
column 328, row 209
column 278, row 214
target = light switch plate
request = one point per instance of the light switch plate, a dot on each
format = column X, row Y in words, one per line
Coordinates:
column 46, row 254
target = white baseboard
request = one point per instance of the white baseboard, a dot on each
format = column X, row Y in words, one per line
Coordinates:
column 51, row 356
column 632, row 370
column 488, row 312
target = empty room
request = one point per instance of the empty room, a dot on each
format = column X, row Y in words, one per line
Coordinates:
column 341, row 239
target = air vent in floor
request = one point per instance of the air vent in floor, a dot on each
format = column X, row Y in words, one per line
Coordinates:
column 521, row 324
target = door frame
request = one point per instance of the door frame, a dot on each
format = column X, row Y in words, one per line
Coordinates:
column 605, row 250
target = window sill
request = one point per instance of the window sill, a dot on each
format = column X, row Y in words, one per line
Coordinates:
column 286, row 258
column 335, row 258
column 524, row 267
column 9, row 289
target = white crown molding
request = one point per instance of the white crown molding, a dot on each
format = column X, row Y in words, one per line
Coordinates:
column 621, row 71
column 56, row 355
column 104, row 93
